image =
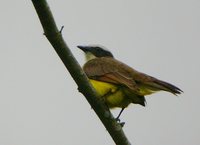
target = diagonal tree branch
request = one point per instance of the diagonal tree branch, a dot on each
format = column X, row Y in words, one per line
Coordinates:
column 55, row 38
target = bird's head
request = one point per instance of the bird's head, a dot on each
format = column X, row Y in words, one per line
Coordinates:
column 92, row 52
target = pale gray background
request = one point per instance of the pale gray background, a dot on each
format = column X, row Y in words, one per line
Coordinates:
column 39, row 101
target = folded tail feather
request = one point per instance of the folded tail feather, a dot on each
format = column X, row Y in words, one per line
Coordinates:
column 157, row 85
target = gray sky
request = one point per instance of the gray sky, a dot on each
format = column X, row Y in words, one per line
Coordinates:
column 39, row 101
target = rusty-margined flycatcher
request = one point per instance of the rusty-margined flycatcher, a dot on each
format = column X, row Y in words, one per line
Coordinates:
column 118, row 84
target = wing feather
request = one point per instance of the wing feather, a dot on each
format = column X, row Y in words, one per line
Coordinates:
column 107, row 70
column 113, row 71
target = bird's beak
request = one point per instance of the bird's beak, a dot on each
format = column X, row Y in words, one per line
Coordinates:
column 84, row 48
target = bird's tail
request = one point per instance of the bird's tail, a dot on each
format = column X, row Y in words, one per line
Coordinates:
column 157, row 85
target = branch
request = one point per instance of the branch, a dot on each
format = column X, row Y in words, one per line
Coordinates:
column 55, row 38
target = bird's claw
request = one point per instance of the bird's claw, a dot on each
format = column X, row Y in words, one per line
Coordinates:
column 119, row 121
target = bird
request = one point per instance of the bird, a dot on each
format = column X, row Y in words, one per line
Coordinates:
column 118, row 84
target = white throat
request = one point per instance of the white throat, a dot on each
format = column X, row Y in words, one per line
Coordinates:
column 89, row 56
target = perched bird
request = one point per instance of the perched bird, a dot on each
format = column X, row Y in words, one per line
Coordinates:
column 118, row 84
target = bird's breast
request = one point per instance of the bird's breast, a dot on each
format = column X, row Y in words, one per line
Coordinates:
column 113, row 95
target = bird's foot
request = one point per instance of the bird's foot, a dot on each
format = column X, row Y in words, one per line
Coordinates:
column 119, row 121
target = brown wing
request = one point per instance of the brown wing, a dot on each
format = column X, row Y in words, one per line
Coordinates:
column 113, row 71
column 108, row 70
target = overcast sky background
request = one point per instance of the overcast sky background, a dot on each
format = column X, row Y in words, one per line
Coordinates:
column 39, row 101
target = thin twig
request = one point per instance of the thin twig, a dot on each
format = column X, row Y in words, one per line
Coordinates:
column 55, row 38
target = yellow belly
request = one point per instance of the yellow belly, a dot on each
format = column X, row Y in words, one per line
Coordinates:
column 113, row 95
